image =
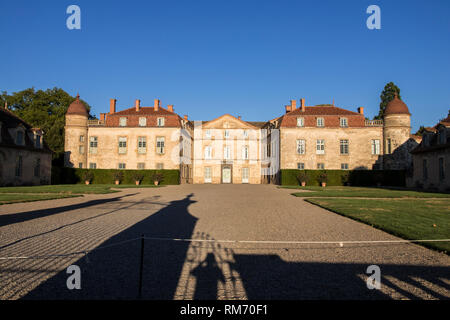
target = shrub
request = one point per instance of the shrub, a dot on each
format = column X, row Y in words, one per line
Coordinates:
column 157, row 177
column 302, row 177
column 137, row 176
column 117, row 176
column 88, row 176
column 345, row 179
column 322, row 177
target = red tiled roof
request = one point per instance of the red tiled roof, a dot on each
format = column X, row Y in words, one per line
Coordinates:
column 77, row 107
column 396, row 106
column 322, row 110
column 143, row 110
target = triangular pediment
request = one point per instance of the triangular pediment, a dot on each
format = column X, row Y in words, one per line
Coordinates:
column 227, row 121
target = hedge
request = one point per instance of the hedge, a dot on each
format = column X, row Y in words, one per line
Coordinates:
column 105, row 176
column 347, row 177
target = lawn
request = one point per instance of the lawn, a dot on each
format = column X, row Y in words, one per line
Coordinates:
column 6, row 198
column 73, row 188
column 406, row 218
column 362, row 192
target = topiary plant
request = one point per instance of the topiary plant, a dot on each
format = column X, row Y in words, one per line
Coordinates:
column 303, row 178
column 88, row 176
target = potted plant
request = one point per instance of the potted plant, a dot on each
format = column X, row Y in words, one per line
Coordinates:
column 117, row 176
column 323, row 178
column 88, row 176
column 302, row 178
column 157, row 178
column 345, row 178
column 137, row 177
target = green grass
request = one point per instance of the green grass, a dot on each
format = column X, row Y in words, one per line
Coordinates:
column 406, row 218
column 6, row 198
column 72, row 188
column 362, row 192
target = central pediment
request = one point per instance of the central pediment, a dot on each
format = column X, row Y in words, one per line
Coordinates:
column 227, row 121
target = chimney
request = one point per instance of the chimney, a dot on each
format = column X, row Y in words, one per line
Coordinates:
column 293, row 105
column 156, row 105
column 239, row 117
column 361, row 110
column 112, row 106
column 185, row 117
column 302, row 104
column 288, row 108
column 170, row 107
column 102, row 117
column 137, row 104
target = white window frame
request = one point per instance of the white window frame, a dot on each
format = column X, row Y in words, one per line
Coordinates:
column 343, row 122
column 320, row 146
column 300, row 165
column 92, row 165
column 320, row 122
column 208, row 133
column 160, row 145
column 301, row 146
column 344, row 166
column 122, row 145
column 245, row 174
column 208, row 152
column 245, row 154
column 142, row 121
column 93, row 144
column 376, row 146
column 142, row 145
column 207, row 175
column 300, row 121
column 160, row 121
column 226, row 133
column 344, row 146
column 227, row 152
column 123, row 121
column 320, row 166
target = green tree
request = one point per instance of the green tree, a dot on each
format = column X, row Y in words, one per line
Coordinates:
column 386, row 96
column 45, row 110
column 420, row 131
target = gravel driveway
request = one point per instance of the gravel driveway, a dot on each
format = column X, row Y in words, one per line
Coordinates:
column 208, row 269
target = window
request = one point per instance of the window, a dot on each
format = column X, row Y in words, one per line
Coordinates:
column 92, row 165
column 122, row 145
column 343, row 122
column 320, row 147
column 388, row 146
column 19, row 166
column 320, row 166
column 344, row 166
column 245, row 175
column 142, row 121
column 81, row 149
column 227, row 152
column 123, row 121
column 160, row 145
column 442, row 137
column 81, row 138
column 376, row 146
column 300, row 122
column 208, row 152
column 207, row 174
column 245, row 152
column 93, row 142
column 142, row 145
column 227, row 133
column 160, row 166
column 344, row 146
column 245, row 134
column 208, row 133
column 300, row 166
column 80, row 165
column 19, row 138
column 425, row 170
column 141, row 166
column 122, row 165
column 37, row 168
column 320, row 122
column 441, row 169
column 160, row 122
column 37, row 141
column 301, row 146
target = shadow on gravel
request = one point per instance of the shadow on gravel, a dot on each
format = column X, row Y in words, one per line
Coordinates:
column 113, row 273
column 8, row 219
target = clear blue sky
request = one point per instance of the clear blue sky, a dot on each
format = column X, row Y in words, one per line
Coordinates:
column 246, row 57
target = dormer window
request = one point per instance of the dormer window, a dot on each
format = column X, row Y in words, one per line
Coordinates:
column 142, row 121
column 20, row 138
column 123, row 122
column 160, row 122
column 343, row 122
column 300, row 122
column 442, row 137
column 37, row 141
column 320, row 122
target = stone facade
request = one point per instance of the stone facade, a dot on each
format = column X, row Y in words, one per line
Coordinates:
column 230, row 150
column 25, row 158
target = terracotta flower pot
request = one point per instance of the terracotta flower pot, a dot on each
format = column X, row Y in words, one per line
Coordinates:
column 303, row 183
column 117, row 182
column 87, row 182
column 323, row 184
column 138, row 182
column 156, row 183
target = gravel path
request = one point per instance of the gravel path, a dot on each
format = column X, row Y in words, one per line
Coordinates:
column 209, row 269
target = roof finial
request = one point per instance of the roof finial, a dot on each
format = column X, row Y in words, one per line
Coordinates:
column 78, row 96
column 333, row 102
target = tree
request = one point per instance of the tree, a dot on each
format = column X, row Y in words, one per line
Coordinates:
column 45, row 110
column 420, row 131
column 386, row 96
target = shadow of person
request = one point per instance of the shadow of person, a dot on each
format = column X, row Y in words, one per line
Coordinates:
column 207, row 275
column 113, row 272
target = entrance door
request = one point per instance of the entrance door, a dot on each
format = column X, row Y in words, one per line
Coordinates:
column 207, row 174
column 245, row 175
column 226, row 175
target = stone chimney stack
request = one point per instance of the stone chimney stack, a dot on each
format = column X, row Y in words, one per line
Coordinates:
column 239, row 117
column 361, row 110
column 302, row 105
column 137, row 104
column 288, row 108
column 112, row 106
column 156, row 105
column 170, row 107
column 293, row 105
